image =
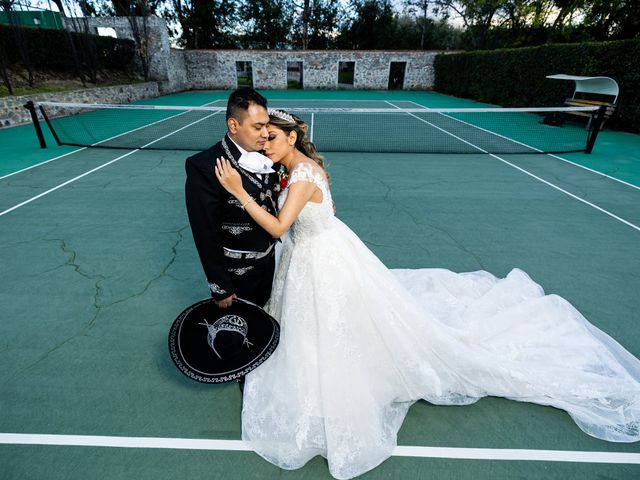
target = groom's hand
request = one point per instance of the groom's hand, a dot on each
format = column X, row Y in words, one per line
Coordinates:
column 226, row 302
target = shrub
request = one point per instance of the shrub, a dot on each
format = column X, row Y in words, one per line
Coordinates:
column 52, row 49
column 516, row 77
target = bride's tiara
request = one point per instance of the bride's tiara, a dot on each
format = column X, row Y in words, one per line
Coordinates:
column 282, row 115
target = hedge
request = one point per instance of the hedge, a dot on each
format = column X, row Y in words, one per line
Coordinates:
column 51, row 49
column 516, row 77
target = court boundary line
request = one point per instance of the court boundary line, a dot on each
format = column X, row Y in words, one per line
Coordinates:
column 85, row 148
column 546, row 182
column 276, row 100
column 535, row 150
column 78, row 177
column 42, row 163
column 542, row 153
column 508, row 454
column 602, row 174
column 99, row 167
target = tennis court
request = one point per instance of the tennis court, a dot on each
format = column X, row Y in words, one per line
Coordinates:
column 98, row 259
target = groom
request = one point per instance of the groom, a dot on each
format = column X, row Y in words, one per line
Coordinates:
column 237, row 255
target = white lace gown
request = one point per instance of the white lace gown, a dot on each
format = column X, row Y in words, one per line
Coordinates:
column 360, row 343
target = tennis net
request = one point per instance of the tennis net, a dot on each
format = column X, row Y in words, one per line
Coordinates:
column 386, row 130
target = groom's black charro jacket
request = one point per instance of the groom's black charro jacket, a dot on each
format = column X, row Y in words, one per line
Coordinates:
column 219, row 224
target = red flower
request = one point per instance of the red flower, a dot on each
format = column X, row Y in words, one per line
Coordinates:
column 283, row 183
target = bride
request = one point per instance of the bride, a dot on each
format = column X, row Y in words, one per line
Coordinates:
column 361, row 343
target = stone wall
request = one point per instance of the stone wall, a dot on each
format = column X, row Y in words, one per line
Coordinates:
column 177, row 70
column 216, row 69
column 176, row 74
column 13, row 113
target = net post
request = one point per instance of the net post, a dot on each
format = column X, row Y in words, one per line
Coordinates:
column 596, row 124
column 53, row 132
column 36, row 122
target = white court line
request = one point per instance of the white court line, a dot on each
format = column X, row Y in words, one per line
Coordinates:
column 100, row 167
column 438, row 128
column 42, row 163
column 575, row 197
column 580, row 199
column 549, row 154
column 276, row 100
column 98, row 143
column 595, row 171
column 400, row 451
column 65, row 183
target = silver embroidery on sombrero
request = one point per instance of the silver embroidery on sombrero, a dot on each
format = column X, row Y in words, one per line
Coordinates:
column 229, row 323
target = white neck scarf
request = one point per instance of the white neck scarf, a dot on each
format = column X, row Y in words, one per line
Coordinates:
column 253, row 162
column 256, row 162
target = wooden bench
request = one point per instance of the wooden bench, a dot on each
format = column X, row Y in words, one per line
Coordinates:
column 582, row 102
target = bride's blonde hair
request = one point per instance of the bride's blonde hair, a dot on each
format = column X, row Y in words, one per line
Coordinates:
column 291, row 123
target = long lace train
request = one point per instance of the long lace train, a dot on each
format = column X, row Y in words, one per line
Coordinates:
column 360, row 343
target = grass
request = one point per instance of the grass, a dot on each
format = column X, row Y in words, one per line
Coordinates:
column 245, row 81
column 46, row 81
column 4, row 91
column 62, row 87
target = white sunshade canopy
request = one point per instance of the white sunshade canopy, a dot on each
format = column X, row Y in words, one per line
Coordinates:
column 599, row 85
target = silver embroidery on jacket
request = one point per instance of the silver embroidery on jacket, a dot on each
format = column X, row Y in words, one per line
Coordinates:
column 263, row 195
column 233, row 201
column 240, row 271
column 215, row 288
column 236, row 229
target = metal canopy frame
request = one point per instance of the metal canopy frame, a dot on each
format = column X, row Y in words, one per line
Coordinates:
column 597, row 85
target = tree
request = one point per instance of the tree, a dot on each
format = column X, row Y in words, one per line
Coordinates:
column 20, row 41
column 420, row 8
column 317, row 24
column 372, row 26
column 426, row 34
column 3, row 69
column 566, row 9
column 139, row 12
column 266, row 23
column 83, row 48
column 58, row 3
column 477, row 16
column 305, row 13
column 87, row 8
column 613, row 19
column 206, row 23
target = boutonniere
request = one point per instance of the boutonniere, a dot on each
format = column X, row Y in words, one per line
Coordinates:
column 283, row 177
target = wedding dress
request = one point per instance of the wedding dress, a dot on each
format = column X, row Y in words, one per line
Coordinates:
column 360, row 343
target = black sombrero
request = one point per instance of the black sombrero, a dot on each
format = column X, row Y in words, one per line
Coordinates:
column 216, row 345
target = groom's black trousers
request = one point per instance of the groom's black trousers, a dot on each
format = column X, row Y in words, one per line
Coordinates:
column 254, row 284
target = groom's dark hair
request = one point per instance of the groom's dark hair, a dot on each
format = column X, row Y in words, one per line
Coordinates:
column 240, row 99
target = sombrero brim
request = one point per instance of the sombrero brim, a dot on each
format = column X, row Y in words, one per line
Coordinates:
column 194, row 357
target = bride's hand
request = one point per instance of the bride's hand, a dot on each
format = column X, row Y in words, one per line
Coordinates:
column 228, row 177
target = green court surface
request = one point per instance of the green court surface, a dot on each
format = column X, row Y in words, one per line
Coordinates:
column 97, row 260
